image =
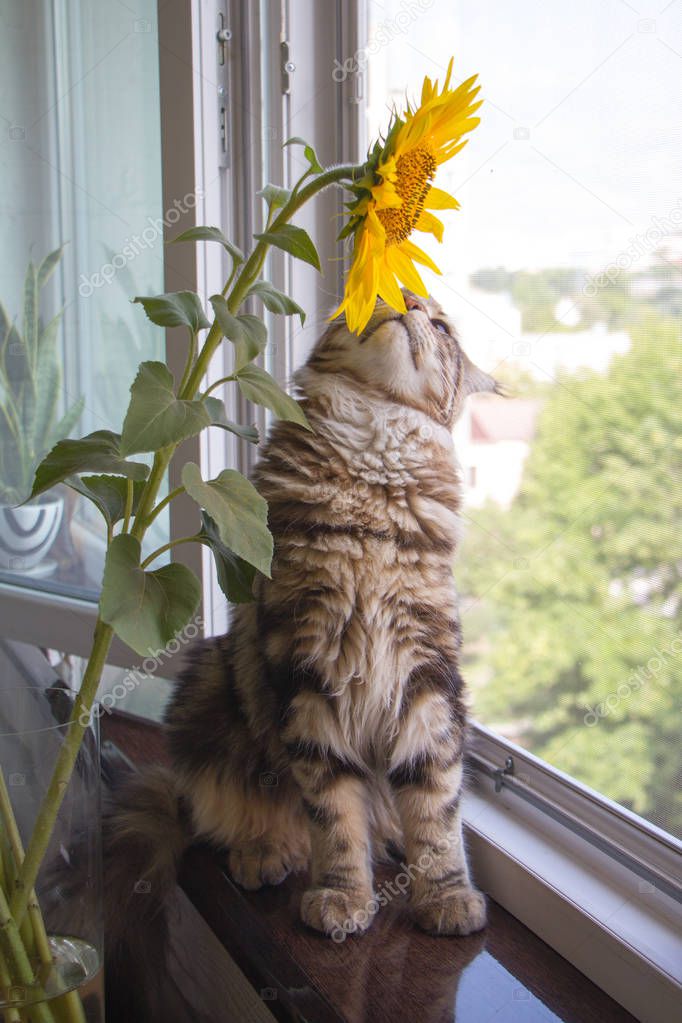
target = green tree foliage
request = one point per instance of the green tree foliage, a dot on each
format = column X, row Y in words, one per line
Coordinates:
column 609, row 297
column 572, row 599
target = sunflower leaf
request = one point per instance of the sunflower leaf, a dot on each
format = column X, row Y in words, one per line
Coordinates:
column 247, row 333
column 235, row 576
column 176, row 309
column 239, row 511
column 211, row 234
column 308, row 151
column 218, row 415
column 145, row 609
column 98, row 452
column 258, row 386
column 275, row 196
column 276, row 301
column 155, row 417
column 293, row 240
column 108, row 493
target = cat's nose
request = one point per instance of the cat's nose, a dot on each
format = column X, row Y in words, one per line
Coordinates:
column 412, row 302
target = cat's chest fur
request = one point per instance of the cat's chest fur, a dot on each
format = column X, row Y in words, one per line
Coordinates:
column 364, row 514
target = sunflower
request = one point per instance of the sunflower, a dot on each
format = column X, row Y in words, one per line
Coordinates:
column 395, row 197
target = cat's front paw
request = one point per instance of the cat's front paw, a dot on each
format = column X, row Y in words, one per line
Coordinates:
column 459, row 912
column 337, row 912
column 255, row 865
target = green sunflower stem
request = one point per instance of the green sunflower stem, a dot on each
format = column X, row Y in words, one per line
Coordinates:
column 252, row 267
column 68, row 1008
column 166, row 547
column 34, row 918
column 151, row 489
column 32, row 930
column 157, row 509
column 66, row 759
column 130, row 492
column 17, row 963
column 10, row 1015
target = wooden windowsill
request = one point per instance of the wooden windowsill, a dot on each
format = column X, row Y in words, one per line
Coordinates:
column 394, row 972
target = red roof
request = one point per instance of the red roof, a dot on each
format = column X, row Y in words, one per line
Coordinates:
column 495, row 419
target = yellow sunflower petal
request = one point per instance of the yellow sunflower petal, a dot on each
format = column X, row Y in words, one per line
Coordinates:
column 437, row 199
column 386, row 196
column 432, row 225
column 413, row 252
column 362, row 275
column 363, row 279
column 427, row 91
column 449, row 151
column 389, row 289
column 402, row 266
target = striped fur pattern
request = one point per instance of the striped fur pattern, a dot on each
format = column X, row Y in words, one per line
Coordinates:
column 330, row 720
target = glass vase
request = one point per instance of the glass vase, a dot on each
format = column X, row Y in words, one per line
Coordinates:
column 61, row 979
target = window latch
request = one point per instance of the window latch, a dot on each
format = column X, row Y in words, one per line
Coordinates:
column 503, row 772
column 287, row 67
column 223, row 35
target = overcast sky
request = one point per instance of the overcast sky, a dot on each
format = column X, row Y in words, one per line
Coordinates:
column 597, row 84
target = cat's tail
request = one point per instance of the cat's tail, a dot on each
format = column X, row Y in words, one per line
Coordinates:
column 146, row 829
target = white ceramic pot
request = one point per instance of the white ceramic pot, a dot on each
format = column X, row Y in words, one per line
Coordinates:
column 27, row 533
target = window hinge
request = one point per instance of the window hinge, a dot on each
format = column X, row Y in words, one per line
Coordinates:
column 287, row 66
column 503, row 772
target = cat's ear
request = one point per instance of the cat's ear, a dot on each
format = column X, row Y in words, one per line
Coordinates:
column 476, row 381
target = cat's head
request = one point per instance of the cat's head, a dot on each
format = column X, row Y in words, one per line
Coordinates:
column 413, row 358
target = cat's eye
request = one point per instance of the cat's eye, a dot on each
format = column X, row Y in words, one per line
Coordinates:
column 441, row 326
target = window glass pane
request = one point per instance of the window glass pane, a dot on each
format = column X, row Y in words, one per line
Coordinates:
column 564, row 271
column 131, row 690
column 80, row 167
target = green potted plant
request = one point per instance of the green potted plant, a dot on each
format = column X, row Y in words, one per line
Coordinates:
column 30, row 425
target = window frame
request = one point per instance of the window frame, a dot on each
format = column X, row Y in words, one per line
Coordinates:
column 543, row 845
column 598, row 884
column 580, row 902
column 647, row 851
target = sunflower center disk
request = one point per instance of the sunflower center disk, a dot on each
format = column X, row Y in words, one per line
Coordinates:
column 415, row 171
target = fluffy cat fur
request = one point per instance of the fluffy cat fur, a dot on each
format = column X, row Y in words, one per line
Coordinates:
column 331, row 718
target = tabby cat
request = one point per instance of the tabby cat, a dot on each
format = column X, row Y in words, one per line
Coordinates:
column 331, row 720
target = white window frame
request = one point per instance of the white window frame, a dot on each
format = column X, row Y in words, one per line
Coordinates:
column 600, row 885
